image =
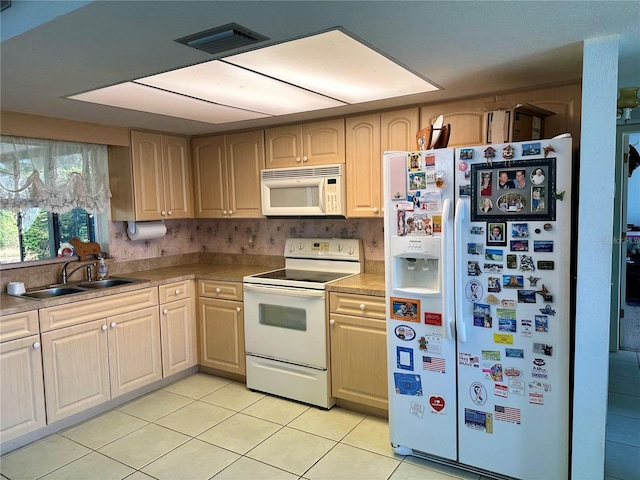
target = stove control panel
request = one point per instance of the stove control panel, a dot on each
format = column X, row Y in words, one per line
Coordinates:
column 331, row 248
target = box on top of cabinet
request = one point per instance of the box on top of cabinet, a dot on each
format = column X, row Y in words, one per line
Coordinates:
column 521, row 123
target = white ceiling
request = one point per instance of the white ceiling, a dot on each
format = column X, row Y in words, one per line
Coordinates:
column 51, row 50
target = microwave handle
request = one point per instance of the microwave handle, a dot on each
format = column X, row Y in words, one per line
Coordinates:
column 323, row 198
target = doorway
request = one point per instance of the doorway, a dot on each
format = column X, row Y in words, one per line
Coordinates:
column 625, row 325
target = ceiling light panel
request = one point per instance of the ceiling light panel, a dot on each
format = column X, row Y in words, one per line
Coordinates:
column 226, row 84
column 148, row 99
column 336, row 65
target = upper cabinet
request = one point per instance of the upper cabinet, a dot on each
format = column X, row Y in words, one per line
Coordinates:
column 467, row 120
column 565, row 101
column 309, row 144
column 367, row 137
column 152, row 179
column 227, row 173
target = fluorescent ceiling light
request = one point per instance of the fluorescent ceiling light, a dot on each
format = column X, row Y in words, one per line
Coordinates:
column 226, row 84
column 147, row 99
column 336, row 65
column 327, row 70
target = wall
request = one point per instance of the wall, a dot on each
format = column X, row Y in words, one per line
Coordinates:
column 232, row 237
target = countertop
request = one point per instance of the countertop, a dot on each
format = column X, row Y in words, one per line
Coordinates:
column 363, row 284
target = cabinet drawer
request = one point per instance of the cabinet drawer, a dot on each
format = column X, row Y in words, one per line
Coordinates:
column 359, row 305
column 18, row 325
column 97, row 308
column 175, row 291
column 220, row 289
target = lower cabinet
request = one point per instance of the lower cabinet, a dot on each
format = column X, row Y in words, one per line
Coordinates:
column 358, row 349
column 221, row 326
column 88, row 364
column 177, row 327
column 95, row 350
column 22, row 407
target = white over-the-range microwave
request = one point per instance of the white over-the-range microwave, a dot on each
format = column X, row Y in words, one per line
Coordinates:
column 304, row 191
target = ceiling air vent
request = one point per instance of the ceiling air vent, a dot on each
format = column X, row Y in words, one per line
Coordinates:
column 221, row 39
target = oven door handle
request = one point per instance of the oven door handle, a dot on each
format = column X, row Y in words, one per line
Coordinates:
column 292, row 292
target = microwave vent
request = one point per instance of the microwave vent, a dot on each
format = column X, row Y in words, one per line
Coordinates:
column 302, row 172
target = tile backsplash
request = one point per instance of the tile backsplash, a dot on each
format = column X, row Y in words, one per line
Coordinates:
column 243, row 236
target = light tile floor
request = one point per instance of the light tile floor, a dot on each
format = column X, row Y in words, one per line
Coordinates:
column 622, row 447
column 205, row 427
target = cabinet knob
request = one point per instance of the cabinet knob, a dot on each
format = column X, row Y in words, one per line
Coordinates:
column 297, row 159
column 224, row 212
column 36, row 345
column 103, row 328
column 165, row 311
column 230, row 212
column 218, row 290
column 169, row 212
column 362, row 306
column 113, row 324
column 304, row 159
column 163, row 213
column 238, row 309
column 177, row 291
column 375, row 209
column 332, row 321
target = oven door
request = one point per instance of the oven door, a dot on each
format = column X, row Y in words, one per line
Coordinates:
column 285, row 323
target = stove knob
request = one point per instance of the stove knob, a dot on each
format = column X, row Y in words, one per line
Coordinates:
column 301, row 246
column 350, row 251
column 340, row 247
column 292, row 248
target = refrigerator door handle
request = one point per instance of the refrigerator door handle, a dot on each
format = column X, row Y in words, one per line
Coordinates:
column 461, row 219
column 449, row 273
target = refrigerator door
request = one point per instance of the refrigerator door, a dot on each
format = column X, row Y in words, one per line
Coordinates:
column 513, row 244
column 420, row 308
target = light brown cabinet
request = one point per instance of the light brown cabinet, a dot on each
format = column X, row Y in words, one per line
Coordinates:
column 94, row 350
column 221, row 326
column 227, row 175
column 22, row 407
column 177, row 327
column 367, row 138
column 152, row 180
column 308, row 144
column 358, row 345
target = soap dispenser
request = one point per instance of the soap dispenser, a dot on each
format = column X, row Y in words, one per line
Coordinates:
column 102, row 269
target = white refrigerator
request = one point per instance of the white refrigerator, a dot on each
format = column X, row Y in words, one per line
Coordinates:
column 479, row 305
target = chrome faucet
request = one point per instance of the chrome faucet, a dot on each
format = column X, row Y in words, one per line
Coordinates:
column 65, row 275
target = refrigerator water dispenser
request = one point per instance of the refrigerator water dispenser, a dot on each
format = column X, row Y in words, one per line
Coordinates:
column 416, row 265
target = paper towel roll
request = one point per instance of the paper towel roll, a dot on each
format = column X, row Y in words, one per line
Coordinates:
column 146, row 230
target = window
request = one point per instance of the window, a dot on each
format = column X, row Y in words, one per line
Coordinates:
column 50, row 192
column 39, row 235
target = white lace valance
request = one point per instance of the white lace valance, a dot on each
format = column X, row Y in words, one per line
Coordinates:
column 53, row 175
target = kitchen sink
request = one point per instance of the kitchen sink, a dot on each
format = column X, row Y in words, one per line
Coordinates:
column 59, row 290
column 52, row 292
column 109, row 282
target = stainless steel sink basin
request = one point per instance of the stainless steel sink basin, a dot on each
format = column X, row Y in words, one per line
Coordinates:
column 61, row 289
column 109, row 282
column 52, row 292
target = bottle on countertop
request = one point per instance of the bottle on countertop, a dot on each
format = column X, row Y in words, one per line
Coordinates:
column 102, row 269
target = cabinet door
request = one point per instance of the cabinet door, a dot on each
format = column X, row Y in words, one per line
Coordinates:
column 364, row 166
column 76, row 369
column 564, row 101
column 467, row 119
column 146, row 152
column 323, row 142
column 245, row 159
column 177, row 177
column 22, row 394
column 359, row 360
column 222, row 335
column 178, row 332
column 209, row 161
column 283, row 146
column 398, row 129
column 134, row 350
